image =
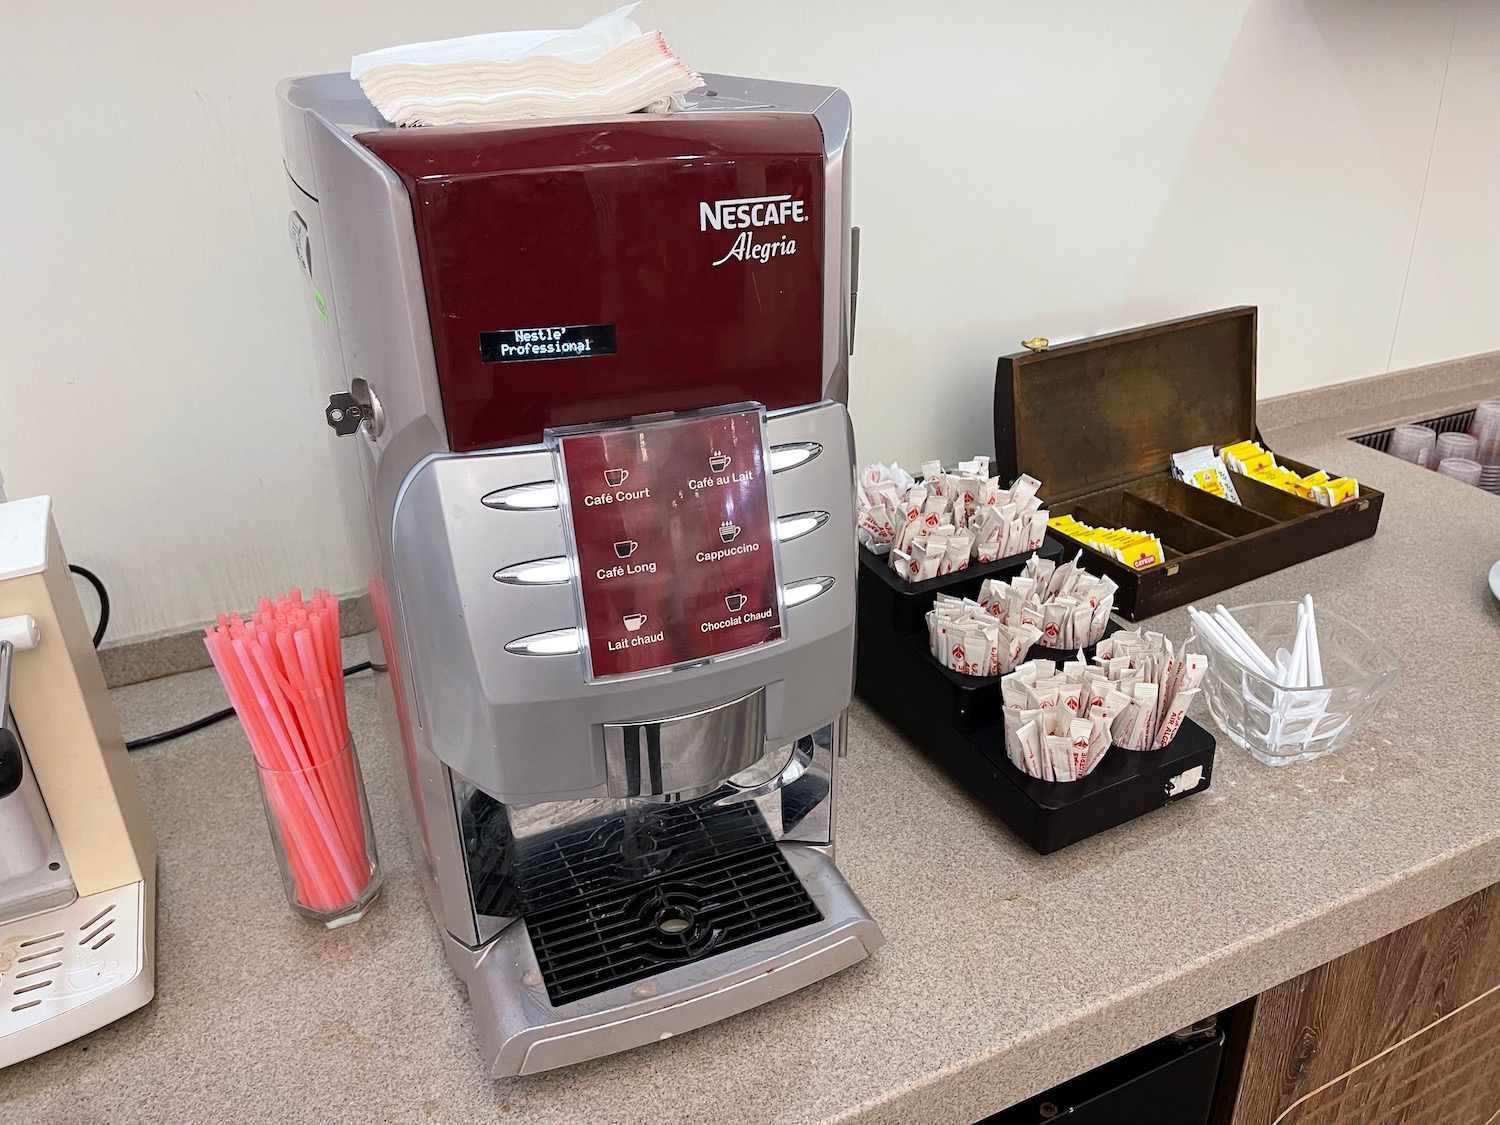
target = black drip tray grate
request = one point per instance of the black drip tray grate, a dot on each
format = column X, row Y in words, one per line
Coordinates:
column 513, row 877
column 586, row 946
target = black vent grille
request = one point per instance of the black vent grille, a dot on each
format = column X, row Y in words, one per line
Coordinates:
column 1458, row 422
column 587, row 946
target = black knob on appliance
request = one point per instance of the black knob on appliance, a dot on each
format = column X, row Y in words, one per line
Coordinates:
column 12, row 765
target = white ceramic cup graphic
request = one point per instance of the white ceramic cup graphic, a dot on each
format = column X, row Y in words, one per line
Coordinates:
column 616, row 477
column 626, row 548
column 736, row 602
column 634, row 621
column 729, row 532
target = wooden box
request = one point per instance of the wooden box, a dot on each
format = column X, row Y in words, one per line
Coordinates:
column 1097, row 422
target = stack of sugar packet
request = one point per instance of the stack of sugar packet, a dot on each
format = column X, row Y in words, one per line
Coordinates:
column 1059, row 723
column 967, row 638
column 937, row 524
column 1160, row 684
column 608, row 66
column 1069, row 605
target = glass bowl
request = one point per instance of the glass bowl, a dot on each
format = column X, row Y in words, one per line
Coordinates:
column 1281, row 725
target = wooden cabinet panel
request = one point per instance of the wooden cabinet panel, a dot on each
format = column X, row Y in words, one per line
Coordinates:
column 1404, row 1031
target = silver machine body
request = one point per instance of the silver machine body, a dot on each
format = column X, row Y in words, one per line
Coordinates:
column 519, row 767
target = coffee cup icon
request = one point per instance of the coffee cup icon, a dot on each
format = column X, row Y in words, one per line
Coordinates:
column 616, row 477
column 736, row 601
column 729, row 532
column 634, row 621
column 718, row 462
column 626, row 548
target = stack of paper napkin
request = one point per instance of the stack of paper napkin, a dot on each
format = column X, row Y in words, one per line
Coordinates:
column 608, row 66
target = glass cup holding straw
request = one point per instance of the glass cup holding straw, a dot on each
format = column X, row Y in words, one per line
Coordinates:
column 283, row 672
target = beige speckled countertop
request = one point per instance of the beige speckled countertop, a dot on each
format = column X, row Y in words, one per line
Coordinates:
column 1005, row 972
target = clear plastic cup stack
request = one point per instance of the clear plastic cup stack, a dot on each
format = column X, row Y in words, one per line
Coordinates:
column 1485, row 429
column 1461, row 469
column 1455, row 444
column 1413, row 443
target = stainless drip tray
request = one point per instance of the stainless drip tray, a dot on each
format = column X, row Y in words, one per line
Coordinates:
column 624, row 896
column 594, row 944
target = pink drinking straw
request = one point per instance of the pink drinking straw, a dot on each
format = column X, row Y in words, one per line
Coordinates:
column 318, row 704
column 311, row 822
column 313, row 784
column 283, row 671
column 313, row 881
column 319, row 751
column 302, row 828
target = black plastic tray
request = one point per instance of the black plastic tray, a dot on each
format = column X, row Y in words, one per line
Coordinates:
column 955, row 719
column 894, row 603
column 976, row 699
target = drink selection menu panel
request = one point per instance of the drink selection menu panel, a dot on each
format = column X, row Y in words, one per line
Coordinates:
column 671, row 524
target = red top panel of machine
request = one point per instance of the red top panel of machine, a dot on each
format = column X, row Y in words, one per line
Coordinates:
column 581, row 272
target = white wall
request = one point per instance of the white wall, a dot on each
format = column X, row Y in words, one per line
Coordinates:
column 1046, row 168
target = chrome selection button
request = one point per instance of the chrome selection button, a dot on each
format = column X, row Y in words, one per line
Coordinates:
column 796, row 526
column 792, row 454
column 537, row 572
column 531, row 497
column 554, row 642
column 796, row 593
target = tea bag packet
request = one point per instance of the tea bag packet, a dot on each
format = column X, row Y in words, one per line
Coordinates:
column 1251, row 459
column 1201, row 468
column 1136, row 549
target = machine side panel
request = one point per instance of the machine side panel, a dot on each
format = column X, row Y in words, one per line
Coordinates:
column 834, row 118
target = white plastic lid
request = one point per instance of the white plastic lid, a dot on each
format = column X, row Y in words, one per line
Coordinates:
column 23, row 536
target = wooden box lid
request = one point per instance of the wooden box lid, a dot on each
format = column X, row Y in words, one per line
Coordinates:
column 1111, row 409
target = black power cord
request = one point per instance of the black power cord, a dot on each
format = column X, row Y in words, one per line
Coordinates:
column 197, row 724
column 93, row 580
column 217, row 717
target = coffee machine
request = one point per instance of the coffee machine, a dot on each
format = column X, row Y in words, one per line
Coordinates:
column 77, row 858
column 595, row 372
